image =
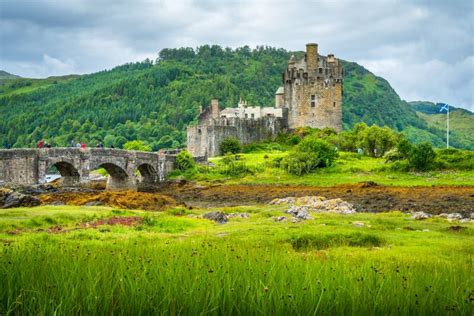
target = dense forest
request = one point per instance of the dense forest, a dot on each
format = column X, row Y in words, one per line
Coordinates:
column 154, row 101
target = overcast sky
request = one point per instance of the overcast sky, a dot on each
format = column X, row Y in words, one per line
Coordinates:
column 425, row 49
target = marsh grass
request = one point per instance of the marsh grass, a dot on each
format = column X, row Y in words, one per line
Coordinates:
column 349, row 168
column 179, row 265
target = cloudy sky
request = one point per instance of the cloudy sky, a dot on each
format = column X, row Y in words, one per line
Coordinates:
column 425, row 49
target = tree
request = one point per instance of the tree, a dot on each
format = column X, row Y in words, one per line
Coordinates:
column 230, row 145
column 136, row 145
column 421, row 157
column 184, row 160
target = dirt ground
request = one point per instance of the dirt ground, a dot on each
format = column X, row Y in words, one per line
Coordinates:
column 123, row 199
column 366, row 197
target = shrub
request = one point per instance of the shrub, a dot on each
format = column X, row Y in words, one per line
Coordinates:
column 421, row 157
column 185, row 161
column 230, row 145
column 231, row 166
column 325, row 152
column 404, row 148
column 299, row 163
column 136, row 145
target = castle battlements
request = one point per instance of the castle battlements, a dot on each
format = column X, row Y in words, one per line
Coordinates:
column 311, row 96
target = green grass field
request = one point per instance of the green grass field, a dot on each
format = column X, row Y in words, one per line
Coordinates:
column 349, row 169
column 54, row 260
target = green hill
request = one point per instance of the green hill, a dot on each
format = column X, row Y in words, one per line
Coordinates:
column 5, row 75
column 461, row 121
column 155, row 101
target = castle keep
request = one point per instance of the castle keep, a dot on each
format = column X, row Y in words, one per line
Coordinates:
column 311, row 96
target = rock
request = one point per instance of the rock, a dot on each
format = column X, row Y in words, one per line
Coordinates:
column 300, row 212
column 455, row 216
column 367, row 184
column 216, row 216
column 466, row 220
column 57, row 203
column 318, row 204
column 444, row 215
column 94, row 203
column 358, row 224
column 420, row 215
column 239, row 215
column 472, row 215
column 280, row 219
column 16, row 199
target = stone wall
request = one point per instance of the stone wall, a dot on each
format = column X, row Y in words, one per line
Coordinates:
column 204, row 140
column 30, row 166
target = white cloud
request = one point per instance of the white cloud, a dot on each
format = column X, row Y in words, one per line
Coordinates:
column 413, row 44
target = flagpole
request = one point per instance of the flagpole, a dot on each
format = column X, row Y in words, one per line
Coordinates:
column 447, row 128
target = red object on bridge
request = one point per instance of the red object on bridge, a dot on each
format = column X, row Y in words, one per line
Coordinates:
column 40, row 143
column 83, row 146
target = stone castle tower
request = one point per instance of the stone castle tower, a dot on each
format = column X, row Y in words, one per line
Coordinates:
column 312, row 91
column 311, row 96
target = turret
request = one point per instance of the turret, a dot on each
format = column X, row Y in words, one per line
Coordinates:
column 280, row 97
column 214, row 109
column 311, row 57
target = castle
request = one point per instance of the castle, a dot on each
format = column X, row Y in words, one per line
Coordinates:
column 311, row 96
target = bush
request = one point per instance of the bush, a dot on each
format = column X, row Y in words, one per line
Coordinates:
column 185, row 161
column 308, row 155
column 230, row 145
column 231, row 166
column 421, row 157
column 299, row 163
column 136, row 145
column 325, row 152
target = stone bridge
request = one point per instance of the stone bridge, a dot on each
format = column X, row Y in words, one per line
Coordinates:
column 133, row 170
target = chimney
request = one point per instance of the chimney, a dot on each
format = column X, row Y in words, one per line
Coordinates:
column 311, row 57
column 214, row 109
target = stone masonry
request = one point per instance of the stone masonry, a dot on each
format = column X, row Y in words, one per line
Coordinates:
column 311, row 96
column 30, row 166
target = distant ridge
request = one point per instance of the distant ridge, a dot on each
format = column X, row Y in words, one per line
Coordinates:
column 6, row 75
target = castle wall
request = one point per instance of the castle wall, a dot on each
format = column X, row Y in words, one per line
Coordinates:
column 205, row 140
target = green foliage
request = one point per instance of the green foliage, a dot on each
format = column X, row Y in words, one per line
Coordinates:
column 185, row 161
column 309, row 154
column 421, row 157
column 230, row 145
column 325, row 151
column 136, row 145
column 299, row 163
column 231, row 165
column 155, row 101
column 253, row 266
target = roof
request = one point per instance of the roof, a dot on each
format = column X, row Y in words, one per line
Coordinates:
column 280, row 90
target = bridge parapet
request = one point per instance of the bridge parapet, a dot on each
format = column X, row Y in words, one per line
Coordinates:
column 30, row 166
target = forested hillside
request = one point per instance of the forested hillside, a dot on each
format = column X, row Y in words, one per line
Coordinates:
column 154, row 101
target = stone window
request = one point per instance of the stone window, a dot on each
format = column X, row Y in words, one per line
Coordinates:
column 326, row 71
column 320, row 70
column 334, row 104
column 246, row 115
column 252, row 115
column 199, row 130
column 313, row 101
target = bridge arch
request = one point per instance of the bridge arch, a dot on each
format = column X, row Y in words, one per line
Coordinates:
column 118, row 179
column 70, row 175
column 148, row 176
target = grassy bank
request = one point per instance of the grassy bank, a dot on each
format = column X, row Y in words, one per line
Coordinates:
column 349, row 168
column 68, row 260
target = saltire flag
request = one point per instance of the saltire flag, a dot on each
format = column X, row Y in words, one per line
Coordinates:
column 444, row 107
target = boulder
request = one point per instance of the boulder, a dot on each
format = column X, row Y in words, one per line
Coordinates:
column 318, row 204
column 16, row 199
column 216, row 216
column 300, row 212
column 454, row 216
column 280, row 219
column 420, row 215
column 238, row 215
column 358, row 224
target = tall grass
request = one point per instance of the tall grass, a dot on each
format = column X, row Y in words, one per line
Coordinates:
column 246, row 267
